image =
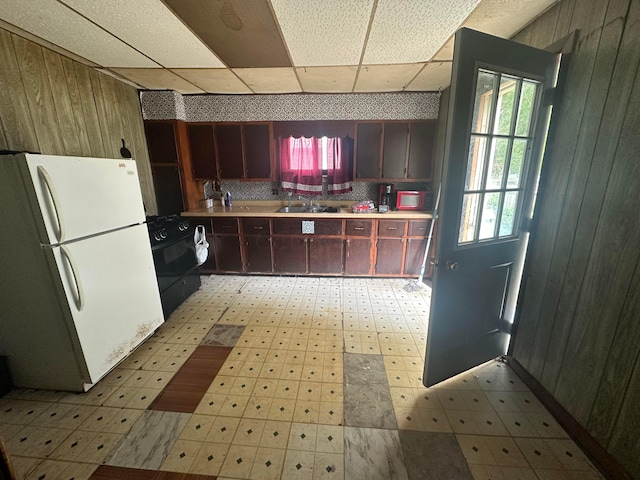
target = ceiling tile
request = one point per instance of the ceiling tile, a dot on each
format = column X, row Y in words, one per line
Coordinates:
column 434, row 77
column 213, row 80
column 269, row 80
column 58, row 24
column 242, row 34
column 408, row 31
column 386, row 78
column 504, row 18
column 323, row 32
column 150, row 27
column 327, row 79
column 446, row 52
column 157, row 79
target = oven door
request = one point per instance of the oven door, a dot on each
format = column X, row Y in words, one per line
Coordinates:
column 173, row 259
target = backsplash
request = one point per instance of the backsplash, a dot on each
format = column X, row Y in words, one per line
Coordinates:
column 164, row 105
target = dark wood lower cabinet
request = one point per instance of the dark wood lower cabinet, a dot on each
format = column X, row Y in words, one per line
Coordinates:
column 210, row 263
column 389, row 256
column 228, row 254
column 357, row 256
column 414, row 255
column 257, row 251
column 289, row 255
column 325, row 255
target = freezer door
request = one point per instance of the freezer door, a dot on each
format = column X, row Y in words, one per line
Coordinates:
column 79, row 196
column 112, row 294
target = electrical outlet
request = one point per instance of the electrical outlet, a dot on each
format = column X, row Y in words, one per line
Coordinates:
column 274, row 191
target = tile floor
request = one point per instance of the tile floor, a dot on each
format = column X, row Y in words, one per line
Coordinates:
column 284, row 377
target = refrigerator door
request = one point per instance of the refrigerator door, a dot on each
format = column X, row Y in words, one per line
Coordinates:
column 79, row 196
column 112, row 294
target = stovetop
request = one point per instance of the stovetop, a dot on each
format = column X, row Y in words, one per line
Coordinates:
column 167, row 228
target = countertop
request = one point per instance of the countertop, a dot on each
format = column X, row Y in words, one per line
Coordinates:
column 268, row 208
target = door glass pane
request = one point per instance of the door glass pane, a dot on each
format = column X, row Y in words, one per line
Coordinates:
column 475, row 163
column 489, row 214
column 517, row 158
column 525, row 108
column 496, row 163
column 469, row 217
column 507, row 219
column 485, row 87
column 504, row 112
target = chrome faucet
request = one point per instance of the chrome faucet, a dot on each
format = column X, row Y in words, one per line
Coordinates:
column 310, row 206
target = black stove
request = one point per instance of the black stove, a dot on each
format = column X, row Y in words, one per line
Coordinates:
column 174, row 257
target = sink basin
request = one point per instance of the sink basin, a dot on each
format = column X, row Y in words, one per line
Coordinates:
column 301, row 209
column 305, row 209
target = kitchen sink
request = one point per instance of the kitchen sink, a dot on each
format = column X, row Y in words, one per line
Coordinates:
column 305, row 209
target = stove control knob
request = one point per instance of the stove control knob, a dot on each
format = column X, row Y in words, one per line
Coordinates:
column 163, row 234
column 156, row 236
column 182, row 226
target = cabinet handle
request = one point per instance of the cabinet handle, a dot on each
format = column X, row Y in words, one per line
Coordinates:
column 257, row 228
column 358, row 228
column 392, row 228
column 226, row 226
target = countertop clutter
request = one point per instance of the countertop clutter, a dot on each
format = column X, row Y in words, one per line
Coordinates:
column 269, row 208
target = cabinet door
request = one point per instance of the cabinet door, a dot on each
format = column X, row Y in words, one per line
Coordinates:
column 202, row 150
column 228, row 256
column 414, row 255
column 368, row 150
column 257, row 151
column 229, row 149
column 394, row 156
column 325, row 255
column 289, row 255
column 421, row 147
column 389, row 256
column 161, row 142
column 357, row 258
column 166, row 180
column 210, row 264
column 257, row 250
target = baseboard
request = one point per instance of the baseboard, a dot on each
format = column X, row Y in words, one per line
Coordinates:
column 607, row 465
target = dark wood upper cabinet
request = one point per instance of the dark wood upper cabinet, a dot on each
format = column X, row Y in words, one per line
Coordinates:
column 368, row 143
column 394, row 154
column 161, row 141
column 257, row 151
column 229, row 150
column 421, row 149
column 202, row 149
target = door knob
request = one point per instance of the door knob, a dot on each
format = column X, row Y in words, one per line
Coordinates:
column 451, row 265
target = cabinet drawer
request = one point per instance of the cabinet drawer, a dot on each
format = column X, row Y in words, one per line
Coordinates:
column 255, row 226
column 293, row 226
column 418, row 228
column 359, row 228
column 391, row 228
column 225, row 225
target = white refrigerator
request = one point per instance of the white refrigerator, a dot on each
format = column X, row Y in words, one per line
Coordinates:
column 78, row 289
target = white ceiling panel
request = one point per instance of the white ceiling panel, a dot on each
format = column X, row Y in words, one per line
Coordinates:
column 408, row 31
column 213, row 80
column 386, row 78
column 327, row 79
column 269, row 80
column 323, row 32
column 157, row 79
column 58, row 24
column 434, row 77
column 137, row 23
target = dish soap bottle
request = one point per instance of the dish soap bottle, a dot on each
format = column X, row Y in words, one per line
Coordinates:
column 228, row 199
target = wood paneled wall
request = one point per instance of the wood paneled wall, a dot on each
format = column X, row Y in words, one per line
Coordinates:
column 579, row 330
column 54, row 105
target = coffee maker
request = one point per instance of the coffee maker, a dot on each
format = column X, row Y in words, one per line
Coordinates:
column 387, row 195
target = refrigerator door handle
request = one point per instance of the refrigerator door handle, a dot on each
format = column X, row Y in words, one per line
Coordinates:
column 54, row 212
column 78, row 294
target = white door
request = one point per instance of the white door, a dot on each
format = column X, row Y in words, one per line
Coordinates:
column 112, row 292
column 497, row 124
column 81, row 196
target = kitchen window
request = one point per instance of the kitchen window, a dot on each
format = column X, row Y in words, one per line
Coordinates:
column 306, row 162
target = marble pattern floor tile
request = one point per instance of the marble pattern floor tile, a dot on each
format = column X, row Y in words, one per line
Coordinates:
column 223, row 335
column 364, row 369
column 429, row 455
column 368, row 406
column 150, row 440
column 373, row 453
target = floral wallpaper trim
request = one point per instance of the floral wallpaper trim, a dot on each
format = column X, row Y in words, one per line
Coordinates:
column 163, row 105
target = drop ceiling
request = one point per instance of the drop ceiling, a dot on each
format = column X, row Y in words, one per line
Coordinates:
column 266, row 46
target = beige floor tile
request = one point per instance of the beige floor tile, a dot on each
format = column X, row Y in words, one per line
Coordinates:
column 331, row 413
column 209, row 459
column 238, row 461
column 268, row 464
column 249, row 432
column 306, row 411
column 328, row 466
column 282, row 409
column 197, row 428
column 275, row 434
column 303, row 436
column 210, row 404
column 223, row 430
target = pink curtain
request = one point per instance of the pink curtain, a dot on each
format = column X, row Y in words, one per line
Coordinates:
column 301, row 165
column 340, row 165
